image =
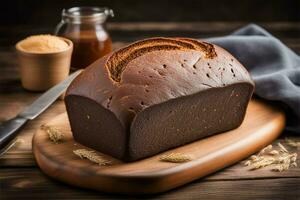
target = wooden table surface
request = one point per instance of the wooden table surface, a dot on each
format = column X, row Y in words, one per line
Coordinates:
column 20, row 178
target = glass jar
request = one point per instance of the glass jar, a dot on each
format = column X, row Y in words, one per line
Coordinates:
column 85, row 26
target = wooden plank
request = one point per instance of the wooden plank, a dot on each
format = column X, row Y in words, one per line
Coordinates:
column 240, row 172
column 21, row 154
column 209, row 27
column 280, row 29
column 129, row 31
column 212, row 26
column 30, row 183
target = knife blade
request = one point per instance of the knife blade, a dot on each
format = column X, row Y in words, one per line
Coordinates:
column 9, row 129
column 44, row 101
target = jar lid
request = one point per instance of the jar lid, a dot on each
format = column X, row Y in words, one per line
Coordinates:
column 87, row 14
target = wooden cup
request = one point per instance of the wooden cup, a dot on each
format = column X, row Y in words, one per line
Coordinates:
column 41, row 71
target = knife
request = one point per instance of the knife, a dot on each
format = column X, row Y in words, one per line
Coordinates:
column 9, row 129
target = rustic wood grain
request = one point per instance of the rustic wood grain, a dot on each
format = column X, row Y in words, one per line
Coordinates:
column 30, row 183
column 128, row 31
column 21, row 154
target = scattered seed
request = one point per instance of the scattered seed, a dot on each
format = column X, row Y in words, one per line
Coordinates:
column 282, row 147
column 269, row 147
column 248, row 163
column 274, row 152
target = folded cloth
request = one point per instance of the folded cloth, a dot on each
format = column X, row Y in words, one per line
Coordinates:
column 274, row 67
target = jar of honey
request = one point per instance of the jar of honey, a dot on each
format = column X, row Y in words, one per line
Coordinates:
column 85, row 27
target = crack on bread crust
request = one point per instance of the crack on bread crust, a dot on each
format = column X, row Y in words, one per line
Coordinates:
column 118, row 61
column 207, row 48
column 116, row 70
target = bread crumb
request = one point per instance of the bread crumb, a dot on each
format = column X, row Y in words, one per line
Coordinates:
column 175, row 158
column 92, row 156
column 55, row 135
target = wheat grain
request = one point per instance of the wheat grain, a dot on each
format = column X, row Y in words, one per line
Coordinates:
column 175, row 158
column 269, row 147
column 55, row 135
column 274, row 152
column 282, row 148
column 92, row 156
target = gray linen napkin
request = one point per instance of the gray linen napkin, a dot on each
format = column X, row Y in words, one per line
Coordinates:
column 274, row 67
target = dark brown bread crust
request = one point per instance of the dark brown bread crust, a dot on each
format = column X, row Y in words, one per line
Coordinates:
column 157, row 94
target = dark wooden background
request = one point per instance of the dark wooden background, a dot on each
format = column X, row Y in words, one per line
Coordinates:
column 19, row 18
column 38, row 12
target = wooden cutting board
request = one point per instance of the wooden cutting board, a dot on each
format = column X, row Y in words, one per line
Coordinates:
column 263, row 123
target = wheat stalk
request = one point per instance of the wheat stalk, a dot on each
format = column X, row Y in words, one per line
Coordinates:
column 92, row 156
column 175, row 158
column 278, row 160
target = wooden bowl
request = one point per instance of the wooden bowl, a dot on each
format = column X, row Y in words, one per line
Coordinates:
column 41, row 71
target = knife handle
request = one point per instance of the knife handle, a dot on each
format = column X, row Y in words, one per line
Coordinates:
column 9, row 129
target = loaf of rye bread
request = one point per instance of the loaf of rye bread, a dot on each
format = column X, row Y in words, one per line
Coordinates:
column 157, row 94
